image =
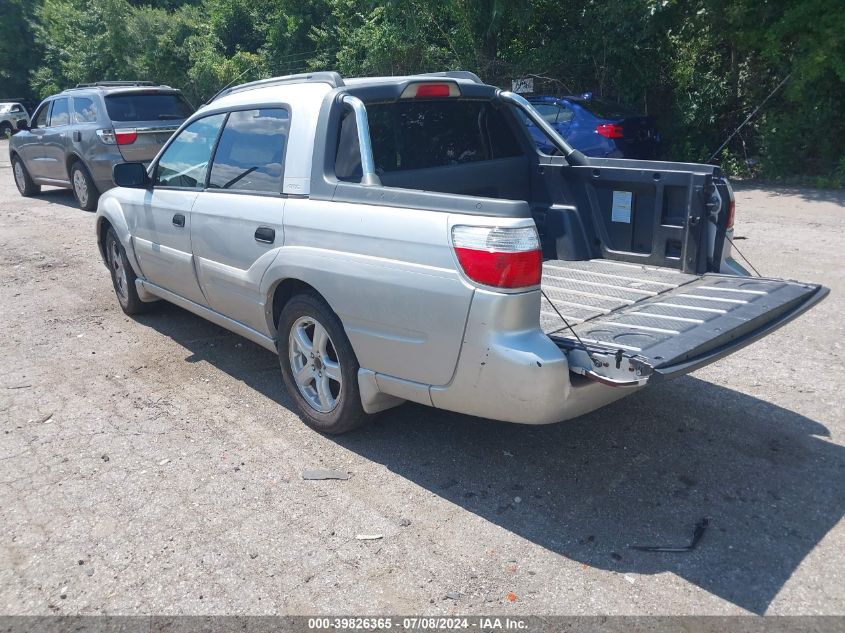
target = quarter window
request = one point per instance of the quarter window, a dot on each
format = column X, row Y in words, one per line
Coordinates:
column 60, row 114
column 84, row 110
column 250, row 154
column 185, row 161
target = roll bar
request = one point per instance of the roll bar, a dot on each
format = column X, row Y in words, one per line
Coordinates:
column 572, row 155
column 368, row 165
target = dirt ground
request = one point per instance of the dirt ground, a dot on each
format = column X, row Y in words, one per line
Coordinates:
column 153, row 465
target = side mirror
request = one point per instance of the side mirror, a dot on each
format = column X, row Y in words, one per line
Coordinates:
column 132, row 175
column 22, row 125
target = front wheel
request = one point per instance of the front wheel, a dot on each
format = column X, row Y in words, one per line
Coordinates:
column 319, row 368
column 23, row 180
column 122, row 276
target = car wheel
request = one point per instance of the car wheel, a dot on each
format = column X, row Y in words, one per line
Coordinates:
column 6, row 130
column 122, row 276
column 23, row 180
column 84, row 189
column 319, row 368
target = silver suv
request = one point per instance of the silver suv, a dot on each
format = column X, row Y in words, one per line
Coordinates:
column 77, row 136
column 10, row 113
column 403, row 238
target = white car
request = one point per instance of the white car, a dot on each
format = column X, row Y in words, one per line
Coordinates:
column 403, row 238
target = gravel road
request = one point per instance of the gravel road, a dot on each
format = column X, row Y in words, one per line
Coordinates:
column 153, row 465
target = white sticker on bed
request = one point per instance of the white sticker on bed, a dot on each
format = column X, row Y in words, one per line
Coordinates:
column 621, row 211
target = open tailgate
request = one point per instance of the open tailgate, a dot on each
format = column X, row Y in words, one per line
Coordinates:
column 643, row 323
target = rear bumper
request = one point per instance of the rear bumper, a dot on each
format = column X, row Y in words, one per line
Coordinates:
column 509, row 370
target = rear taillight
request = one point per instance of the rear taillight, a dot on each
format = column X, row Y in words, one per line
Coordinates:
column 731, row 214
column 502, row 257
column 118, row 137
column 125, row 137
column 610, row 130
column 106, row 136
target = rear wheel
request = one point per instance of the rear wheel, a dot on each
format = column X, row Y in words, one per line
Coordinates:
column 5, row 130
column 84, row 189
column 122, row 276
column 319, row 368
column 23, row 180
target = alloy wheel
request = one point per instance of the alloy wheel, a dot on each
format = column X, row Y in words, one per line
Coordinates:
column 314, row 363
column 80, row 187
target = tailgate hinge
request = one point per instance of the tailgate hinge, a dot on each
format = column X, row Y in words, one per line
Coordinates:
column 613, row 368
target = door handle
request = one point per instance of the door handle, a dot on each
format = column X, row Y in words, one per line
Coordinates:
column 179, row 220
column 265, row 234
column 77, row 136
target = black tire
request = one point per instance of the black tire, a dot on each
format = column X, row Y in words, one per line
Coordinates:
column 122, row 276
column 6, row 130
column 23, row 180
column 337, row 358
column 84, row 189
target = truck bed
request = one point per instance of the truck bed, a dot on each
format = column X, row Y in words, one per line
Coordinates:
column 672, row 321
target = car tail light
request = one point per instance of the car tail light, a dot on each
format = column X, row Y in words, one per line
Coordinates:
column 125, row 137
column 107, row 136
column 731, row 213
column 502, row 257
column 118, row 137
column 430, row 90
column 610, row 130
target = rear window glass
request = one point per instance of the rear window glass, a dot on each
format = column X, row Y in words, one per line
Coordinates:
column 147, row 107
column 605, row 109
column 422, row 134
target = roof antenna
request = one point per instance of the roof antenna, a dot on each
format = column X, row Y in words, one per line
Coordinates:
column 219, row 92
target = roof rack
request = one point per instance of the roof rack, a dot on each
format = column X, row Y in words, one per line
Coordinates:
column 116, row 84
column 456, row 74
column 332, row 78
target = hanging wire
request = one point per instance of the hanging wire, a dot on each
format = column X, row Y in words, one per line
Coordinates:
column 571, row 329
column 739, row 252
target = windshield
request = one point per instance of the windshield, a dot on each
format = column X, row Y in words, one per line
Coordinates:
column 139, row 106
column 6, row 107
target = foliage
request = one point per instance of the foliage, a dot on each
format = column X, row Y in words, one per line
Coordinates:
column 698, row 66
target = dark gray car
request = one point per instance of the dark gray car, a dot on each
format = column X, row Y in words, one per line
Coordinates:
column 77, row 136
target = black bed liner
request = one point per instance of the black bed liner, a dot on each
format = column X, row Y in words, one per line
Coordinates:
column 671, row 321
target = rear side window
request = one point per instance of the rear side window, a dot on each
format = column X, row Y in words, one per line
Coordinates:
column 84, row 110
column 548, row 111
column 185, row 161
column 422, row 134
column 60, row 115
column 140, row 106
column 250, row 154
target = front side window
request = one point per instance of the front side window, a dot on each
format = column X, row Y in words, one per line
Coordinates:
column 60, row 114
column 84, row 110
column 250, row 154
column 40, row 117
column 185, row 161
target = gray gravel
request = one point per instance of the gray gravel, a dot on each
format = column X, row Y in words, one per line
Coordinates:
column 153, row 465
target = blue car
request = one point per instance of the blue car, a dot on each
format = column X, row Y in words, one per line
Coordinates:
column 596, row 127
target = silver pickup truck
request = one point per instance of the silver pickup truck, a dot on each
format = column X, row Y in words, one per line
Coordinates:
column 402, row 238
